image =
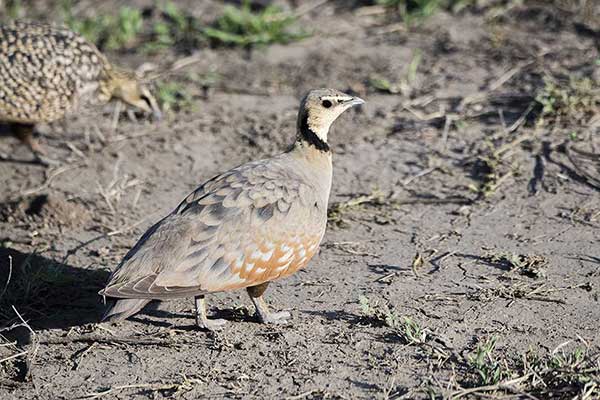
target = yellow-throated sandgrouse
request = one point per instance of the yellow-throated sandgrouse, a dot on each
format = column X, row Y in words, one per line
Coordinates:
column 242, row 229
column 47, row 71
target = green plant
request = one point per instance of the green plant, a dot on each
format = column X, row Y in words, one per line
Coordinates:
column 533, row 266
column 111, row 32
column 172, row 96
column 379, row 312
column 562, row 374
column 414, row 11
column 13, row 9
column 574, row 100
column 243, row 27
column 482, row 362
column 407, row 328
column 405, row 85
column 175, row 28
column 411, row 331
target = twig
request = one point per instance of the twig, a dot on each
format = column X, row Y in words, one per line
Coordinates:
column 305, row 9
column 75, row 150
column 106, row 392
column 370, row 10
column 416, row 176
column 176, row 66
column 28, row 360
column 521, row 120
column 446, row 131
column 13, row 356
column 506, row 385
column 105, row 235
column 112, row 340
column 495, row 85
column 301, row 395
column 386, row 277
column 10, row 269
column 51, row 177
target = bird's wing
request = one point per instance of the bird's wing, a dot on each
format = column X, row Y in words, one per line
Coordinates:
column 250, row 225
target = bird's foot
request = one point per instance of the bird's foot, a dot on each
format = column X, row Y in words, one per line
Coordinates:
column 210, row 324
column 45, row 161
column 281, row 317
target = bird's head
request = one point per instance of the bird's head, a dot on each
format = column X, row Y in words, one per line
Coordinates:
column 128, row 88
column 318, row 110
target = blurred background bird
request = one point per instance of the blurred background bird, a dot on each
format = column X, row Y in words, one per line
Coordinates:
column 47, row 72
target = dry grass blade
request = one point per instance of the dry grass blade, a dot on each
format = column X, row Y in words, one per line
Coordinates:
column 172, row 389
column 579, row 157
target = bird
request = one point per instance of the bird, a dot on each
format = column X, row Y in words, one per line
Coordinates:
column 48, row 71
column 244, row 228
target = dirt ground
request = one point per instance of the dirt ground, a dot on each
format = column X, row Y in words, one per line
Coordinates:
column 462, row 215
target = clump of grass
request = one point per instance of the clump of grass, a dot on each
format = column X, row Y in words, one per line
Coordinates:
column 405, row 85
column 112, row 32
column 240, row 26
column 415, row 11
column 518, row 290
column 562, row 374
column 493, row 167
column 26, row 285
column 174, row 28
column 379, row 313
column 488, row 370
column 533, row 266
column 173, row 96
column 12, row 9
column 575, row 100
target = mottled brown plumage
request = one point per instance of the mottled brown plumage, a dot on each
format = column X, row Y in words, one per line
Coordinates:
column 258, row 222
column 46, row 72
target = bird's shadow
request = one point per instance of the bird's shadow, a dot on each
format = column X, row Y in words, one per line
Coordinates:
column 152, row 315
column 46, row 293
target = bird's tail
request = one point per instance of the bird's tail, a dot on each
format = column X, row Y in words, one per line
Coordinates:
column 121, row 309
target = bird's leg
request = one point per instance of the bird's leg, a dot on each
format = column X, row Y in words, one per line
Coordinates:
column 202, row 320
column 24, row 132
column 262, row 310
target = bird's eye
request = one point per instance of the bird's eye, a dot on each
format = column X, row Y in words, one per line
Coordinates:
column 326, row 103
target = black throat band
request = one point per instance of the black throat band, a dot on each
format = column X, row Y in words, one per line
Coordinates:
column 309, row 136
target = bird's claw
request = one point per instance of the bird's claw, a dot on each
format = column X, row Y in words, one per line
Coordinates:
column 210, row 324
column 281, row 317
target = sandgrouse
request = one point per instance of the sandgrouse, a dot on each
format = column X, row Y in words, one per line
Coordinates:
column 242, row 229
column 47, row 71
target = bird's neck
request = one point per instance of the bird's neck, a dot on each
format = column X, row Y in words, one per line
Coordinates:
column 310, row 135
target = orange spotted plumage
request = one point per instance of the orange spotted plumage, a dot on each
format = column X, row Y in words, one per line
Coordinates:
column 261, row 221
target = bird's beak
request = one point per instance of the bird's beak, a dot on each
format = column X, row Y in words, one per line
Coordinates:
column 355, row 101
column 157, row 114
